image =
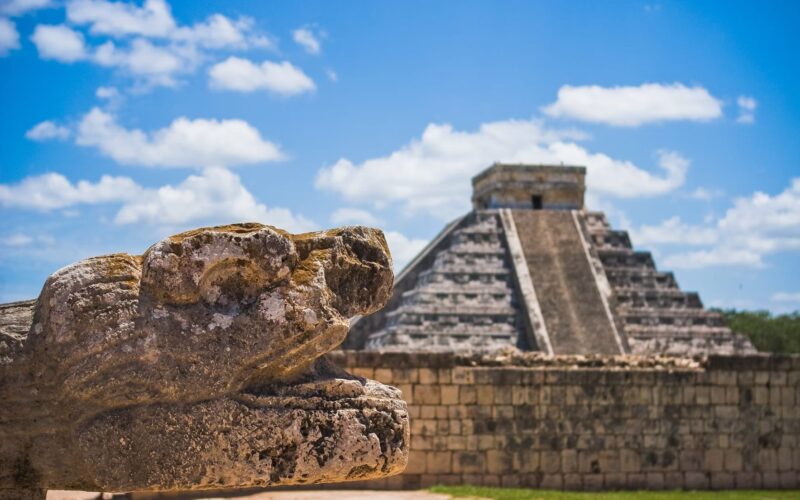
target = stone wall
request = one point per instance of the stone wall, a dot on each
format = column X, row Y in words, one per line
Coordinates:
column 589, row 423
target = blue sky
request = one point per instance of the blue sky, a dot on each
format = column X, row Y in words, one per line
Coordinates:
column 124, row 123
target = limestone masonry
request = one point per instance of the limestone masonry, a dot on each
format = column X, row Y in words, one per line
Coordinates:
column 594, row 422
column 198, row 365
column 530, row 267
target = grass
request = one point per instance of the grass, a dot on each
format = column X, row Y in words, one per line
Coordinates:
column 527, row 494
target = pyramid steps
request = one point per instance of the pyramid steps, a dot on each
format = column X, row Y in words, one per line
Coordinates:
column 665, row 298
column 576, row 318
column 529, row 267
column 464, row 299
column 656, row 315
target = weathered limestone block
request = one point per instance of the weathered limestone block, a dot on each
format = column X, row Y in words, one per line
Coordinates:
column 199, row 365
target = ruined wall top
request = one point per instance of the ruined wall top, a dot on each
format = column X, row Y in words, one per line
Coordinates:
column 551, row 187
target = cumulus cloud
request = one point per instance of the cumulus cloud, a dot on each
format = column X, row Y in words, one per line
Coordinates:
column 432, row 174
column 149, row 64
column 674, row 232
column 153, row 64
column 19, row 7
column 59, row 42
column 775, row 217
column 241, row 75
column 623, row 179
column 214, row 196
column 633, row 106
column 154, row 20
column 218, row 32
column 9, row 37
column 747, row 109
column 307, row 39
column 403, row 249
column 148, row 44
column 53, row 191
column 347, row 215
column 184, row 143
column 754, row 227
column 47, row 130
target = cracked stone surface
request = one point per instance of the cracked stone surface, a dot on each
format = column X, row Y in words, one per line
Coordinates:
column 199, row 364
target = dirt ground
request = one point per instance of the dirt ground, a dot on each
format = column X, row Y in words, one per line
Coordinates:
column 286, row 495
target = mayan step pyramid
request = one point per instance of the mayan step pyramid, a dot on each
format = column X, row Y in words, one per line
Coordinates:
column 530, row 267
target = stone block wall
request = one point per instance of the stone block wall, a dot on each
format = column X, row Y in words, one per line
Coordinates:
column 594, row 423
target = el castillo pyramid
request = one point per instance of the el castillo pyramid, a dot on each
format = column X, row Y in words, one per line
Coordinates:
column 530, row 267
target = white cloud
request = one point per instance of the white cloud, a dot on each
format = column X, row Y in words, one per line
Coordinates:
column 242, row 75
column 747, row 109
column 9, row 37
column 632, row 106
column 306, row 39
column 150, row 46
column 48, row 130
column 754, row 227
column 17, row 240
column 786, row 297
column 432, row 174
column 59, row 42
column 346, row 215
column 747, row 103
column 403, row 249
column 219, row 32
column 674, row 232
column 623, row 179
column 153, row 19
column 705, row 194
column 153, row 64
column 107, row 93
column 19, row 7
column 112, row 97
column 215, row 196
column 715, row 257
column 774, row 218
column 52, row 191
column 331, row 74
column 184, row 143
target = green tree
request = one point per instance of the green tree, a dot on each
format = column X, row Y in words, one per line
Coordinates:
column 769, row 333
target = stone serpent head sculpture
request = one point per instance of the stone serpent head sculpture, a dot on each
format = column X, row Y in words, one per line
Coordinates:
column 198, row 365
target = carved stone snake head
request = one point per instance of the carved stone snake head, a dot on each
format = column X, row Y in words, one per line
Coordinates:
column 208, row 312
column 156, row 362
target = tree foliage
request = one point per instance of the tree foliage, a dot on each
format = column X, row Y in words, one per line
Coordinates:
column 768, row 332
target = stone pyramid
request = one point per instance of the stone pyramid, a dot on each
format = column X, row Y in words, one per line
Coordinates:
column 530, row 267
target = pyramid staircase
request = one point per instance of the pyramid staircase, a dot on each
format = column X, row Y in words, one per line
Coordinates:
column 657, row 316
column 464, row 300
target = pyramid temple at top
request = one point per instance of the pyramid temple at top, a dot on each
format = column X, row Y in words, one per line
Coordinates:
column 530, row 267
